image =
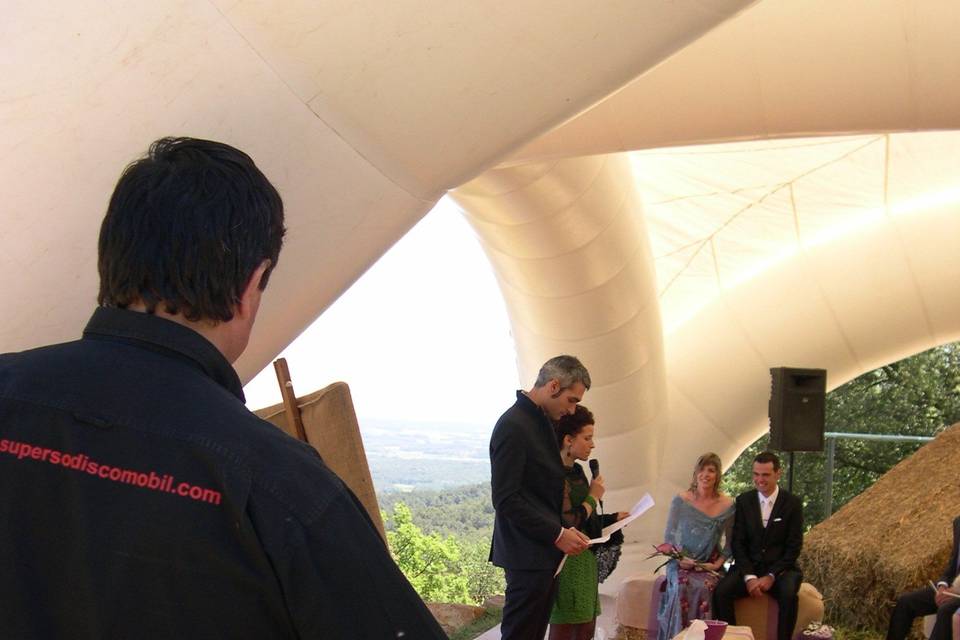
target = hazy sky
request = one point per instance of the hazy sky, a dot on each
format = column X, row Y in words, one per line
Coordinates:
column 422, row 336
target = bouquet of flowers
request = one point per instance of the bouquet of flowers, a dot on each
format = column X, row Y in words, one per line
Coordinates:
column 818, row 631
column 675, row 552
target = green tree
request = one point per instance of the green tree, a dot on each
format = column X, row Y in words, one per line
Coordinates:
column 919, row 395
column 430, row 563
column 483, row 578
column 464, row 512
column 462, row 516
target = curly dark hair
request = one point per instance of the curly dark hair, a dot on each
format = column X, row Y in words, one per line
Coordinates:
column 572, row 423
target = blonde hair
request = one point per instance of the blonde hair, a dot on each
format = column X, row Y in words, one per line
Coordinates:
column 708, row 459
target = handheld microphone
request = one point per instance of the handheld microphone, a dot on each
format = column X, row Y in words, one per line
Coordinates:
column 595, row 471
column 594, row 467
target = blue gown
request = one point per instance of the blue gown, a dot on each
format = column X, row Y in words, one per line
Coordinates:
column 688, row 594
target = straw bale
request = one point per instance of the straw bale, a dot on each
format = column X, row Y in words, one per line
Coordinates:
column 893, row 537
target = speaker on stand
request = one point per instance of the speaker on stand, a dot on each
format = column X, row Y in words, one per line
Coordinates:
column 797, row 411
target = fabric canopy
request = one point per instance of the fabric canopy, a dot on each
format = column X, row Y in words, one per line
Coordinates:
column 819, row 228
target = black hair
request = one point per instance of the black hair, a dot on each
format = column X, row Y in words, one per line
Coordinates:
column 570, row 424
column 768, row 456
column 186, row 227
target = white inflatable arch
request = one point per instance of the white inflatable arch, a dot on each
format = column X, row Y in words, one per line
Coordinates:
column 822, row 232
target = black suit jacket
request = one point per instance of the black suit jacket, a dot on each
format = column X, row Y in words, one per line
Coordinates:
column 526, row 480
column 950, row 571
column 760, row 550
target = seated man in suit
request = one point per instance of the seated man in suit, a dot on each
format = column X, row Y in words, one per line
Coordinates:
column 925, row 601
column 767, row 537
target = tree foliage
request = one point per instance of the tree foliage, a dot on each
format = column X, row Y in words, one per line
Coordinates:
column 484, row 579
column 919, row 395
column 464, row 512
column 441, row 569
column 431, row 563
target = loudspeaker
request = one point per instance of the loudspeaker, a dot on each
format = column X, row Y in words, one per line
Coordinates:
column 797, row 409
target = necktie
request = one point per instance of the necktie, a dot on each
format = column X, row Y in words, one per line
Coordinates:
column 765, row 508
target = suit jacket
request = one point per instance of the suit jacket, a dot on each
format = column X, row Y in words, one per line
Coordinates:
column 760, row 550
column 950, row 571
column 526, row 481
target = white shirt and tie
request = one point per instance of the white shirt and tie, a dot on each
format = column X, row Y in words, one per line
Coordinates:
column 766, row 505
column 766, row 509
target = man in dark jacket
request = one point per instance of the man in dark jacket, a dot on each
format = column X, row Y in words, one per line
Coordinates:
column 139, row 498
column 526, row 478
column 925, row 601
column 767, row 538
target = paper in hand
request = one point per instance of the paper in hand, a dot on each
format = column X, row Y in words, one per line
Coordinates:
column 559, row 566
column 636, row 511
column 947, row 591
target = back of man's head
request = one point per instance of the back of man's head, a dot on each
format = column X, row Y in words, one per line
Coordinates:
column 186, row 228
column 568, row 370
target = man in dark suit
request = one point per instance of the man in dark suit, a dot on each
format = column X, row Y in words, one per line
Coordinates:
column 767, row 537
column 526, row 478
column 925, row 601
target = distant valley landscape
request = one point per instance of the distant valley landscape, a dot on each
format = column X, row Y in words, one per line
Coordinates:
column 406, row 456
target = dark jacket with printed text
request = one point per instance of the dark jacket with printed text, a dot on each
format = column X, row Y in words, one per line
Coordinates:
column 139, row 498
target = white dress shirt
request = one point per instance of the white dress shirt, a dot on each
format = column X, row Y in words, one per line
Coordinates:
column 766, row 508
column 766, row 505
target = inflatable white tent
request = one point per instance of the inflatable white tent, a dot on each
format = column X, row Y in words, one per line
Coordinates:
column 683, row 193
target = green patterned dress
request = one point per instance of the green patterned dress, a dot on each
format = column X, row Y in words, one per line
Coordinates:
column 577, row 598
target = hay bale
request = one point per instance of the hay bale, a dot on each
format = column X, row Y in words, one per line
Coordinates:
column 891, row 538
column 629, row 633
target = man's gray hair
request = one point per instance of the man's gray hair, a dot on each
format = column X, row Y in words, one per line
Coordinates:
column 565, row 369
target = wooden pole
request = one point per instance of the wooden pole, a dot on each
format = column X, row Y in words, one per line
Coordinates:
column 290, row 407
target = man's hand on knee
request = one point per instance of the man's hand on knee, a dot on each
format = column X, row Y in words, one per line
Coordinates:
column 758, row 586
column 766, row 583
column 944, row 595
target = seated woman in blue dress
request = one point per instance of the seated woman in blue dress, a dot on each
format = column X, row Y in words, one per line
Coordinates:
column 700, row 524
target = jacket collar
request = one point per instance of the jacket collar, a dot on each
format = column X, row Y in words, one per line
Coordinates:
column 165, row 337
column 528, row 405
